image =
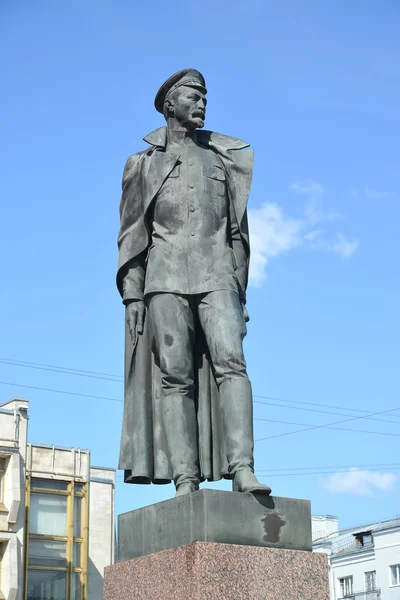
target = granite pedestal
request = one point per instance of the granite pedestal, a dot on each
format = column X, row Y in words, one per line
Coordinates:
column 217, row 545
column 206, row 571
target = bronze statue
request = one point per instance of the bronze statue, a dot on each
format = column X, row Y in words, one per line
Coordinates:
column 182, row 274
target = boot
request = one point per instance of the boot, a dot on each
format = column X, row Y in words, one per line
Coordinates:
column 237, row 414
column 186, row 488
column 180, row 425
column 246, row 481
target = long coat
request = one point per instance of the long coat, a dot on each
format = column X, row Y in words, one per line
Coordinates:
column 144, row 451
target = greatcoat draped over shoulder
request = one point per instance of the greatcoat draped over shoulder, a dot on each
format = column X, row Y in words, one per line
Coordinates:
column 144, row 452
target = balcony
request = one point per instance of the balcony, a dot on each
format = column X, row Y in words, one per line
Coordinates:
column 371, row 595
column 355, row 542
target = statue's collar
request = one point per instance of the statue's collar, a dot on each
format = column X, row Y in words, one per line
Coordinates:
column 158, row 137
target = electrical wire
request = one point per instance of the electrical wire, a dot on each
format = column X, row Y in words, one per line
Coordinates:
column 107, row 398
column 42, row 389
column 323, row 473
column 119, row 379
column 366, row 412
column 328, row 427
column 63, row 370
column 345, row 467
column 382, row 412
column 326, row 412
column 319, row 468
column 273, row 472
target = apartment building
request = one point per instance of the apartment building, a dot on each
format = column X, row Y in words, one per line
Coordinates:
column 56, row 516
column 364, row 561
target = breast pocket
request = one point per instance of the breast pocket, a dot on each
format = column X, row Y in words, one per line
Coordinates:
column 215, row 179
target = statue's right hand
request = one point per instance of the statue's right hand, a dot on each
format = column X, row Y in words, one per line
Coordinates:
column 135, row 319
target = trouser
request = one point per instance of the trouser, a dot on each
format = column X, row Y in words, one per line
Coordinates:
column 174, row 319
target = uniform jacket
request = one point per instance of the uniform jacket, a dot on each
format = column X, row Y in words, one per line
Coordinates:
column 143, row 453
column 144, row 175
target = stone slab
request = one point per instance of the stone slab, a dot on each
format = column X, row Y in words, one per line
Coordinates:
column 207, row 571
column 215, row 516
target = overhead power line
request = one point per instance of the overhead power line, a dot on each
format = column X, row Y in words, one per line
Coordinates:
column 109, row 399
column 325, row 412
column 328, row 427
column 315, row 471
column 322, row 473
column 381, row 465
column 330, row 467
column 358, row 410
column 26, row 362
column 119, row 379
column 63, row 370
column 382, row 412
column 42, row 389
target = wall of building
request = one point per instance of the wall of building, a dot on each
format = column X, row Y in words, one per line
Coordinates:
column 324, row 526
column 387, row 552
column 38, row 463
column 57, row 462
column 13, row 443
column 101, row 528
column 70, row 464
column 68, row 471
column 355, row 565
column 384, row 553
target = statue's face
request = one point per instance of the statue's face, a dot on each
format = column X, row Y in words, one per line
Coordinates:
column 189, row 107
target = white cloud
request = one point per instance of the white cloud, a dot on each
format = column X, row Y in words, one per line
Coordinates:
column 314, row 192
column 344, row 247
column 273, row 233
column 375, row 194
column 312, row 235
column 354, row 192
column 361, row 483
column 369, row 193
column 307, row 186
column 341, row 245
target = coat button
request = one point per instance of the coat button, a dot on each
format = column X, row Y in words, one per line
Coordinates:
column 192, row 234
column 191, row 208
column 191, row 186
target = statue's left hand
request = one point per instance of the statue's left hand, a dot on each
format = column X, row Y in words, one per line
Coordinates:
column 245, row 313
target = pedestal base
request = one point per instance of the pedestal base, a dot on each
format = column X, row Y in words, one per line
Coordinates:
column 218, row 517
column 210, row 571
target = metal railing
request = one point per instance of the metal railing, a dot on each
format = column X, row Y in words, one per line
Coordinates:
column 351, row 544
column 371, row 595
column 347, row 544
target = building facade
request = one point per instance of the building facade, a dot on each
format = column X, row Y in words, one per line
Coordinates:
column 364, row 562
column 56, row 516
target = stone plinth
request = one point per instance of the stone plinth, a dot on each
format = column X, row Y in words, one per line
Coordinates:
column 208, row 571
column 215, row 516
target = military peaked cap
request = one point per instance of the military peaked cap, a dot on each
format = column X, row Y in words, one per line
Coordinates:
column 188, row 77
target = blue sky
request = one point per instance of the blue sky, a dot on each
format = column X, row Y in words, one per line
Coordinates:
column 314, row 87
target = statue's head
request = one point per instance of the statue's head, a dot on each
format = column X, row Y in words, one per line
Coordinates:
column 182, row 99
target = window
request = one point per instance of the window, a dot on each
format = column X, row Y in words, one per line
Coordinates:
column 2, row 477
column 364, row 539
column 395, row 575
column 57, row 544
column 48, row 515
column 346, row 586
column 370, row 581
column 2, row 547
column 47, row 585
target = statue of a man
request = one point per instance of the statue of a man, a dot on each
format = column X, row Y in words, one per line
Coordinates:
column 182, row 274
